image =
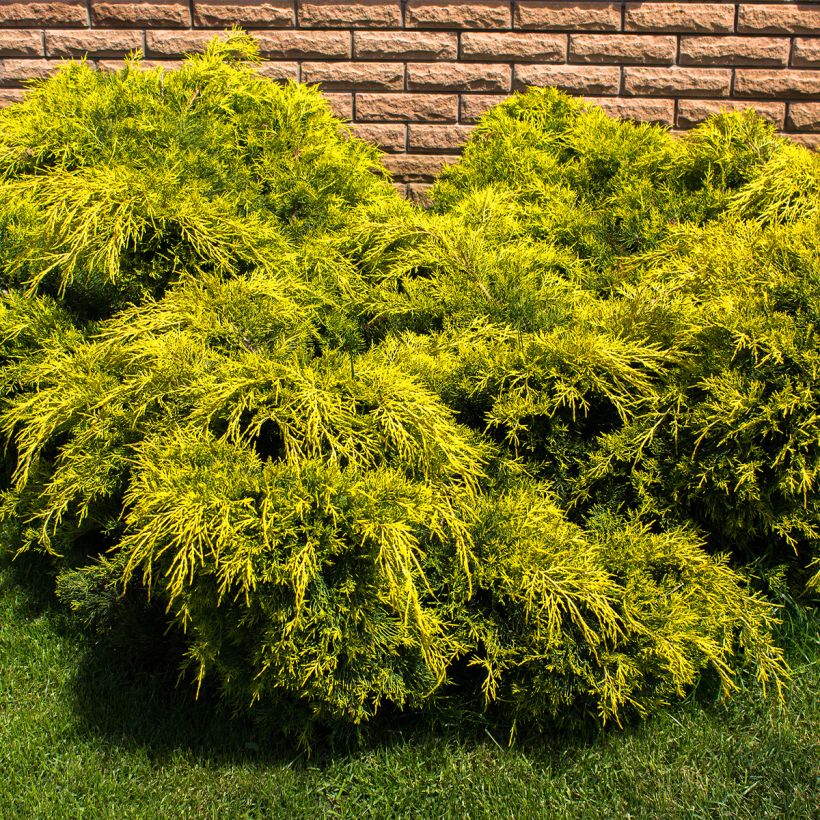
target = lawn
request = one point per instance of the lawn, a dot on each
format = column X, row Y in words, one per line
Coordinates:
column 85, row 733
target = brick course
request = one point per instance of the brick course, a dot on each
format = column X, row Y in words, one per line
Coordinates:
column 415, row 75
column 118, row 13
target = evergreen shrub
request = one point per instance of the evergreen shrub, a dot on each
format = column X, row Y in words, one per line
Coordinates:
column 701, row 252
column 366, row 455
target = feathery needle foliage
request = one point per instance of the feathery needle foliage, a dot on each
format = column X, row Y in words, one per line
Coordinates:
column 361, row 454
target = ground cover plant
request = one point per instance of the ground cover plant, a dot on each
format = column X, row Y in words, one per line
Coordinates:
column 358, row 456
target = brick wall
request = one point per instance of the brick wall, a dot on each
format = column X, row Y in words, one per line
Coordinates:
column 413, row 75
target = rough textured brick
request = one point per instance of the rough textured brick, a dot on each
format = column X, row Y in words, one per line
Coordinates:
column 548, row 16
column 287, row 44
column 60, row 13
column 804, row 116
column 176, row 43
column 437, row 139
column 692, row 112
column 405, row 45
column 751, row 82
column 806, row 52
column 116, row 65
column 417, row 167
column 341, row 104
column 11, row 95
column 578, row 79
column 806, row 140
column 15, row 72
column 635, row 49
column 279, row 70
column 473, row 106
column 458, row 77
column 127, row 13
column 361, row 47
column 419, row 192
column 406, row 107
column 21, row 43
column 93, row 43
column 460, row 14
column 390, row 137
column 248, row 13
column 761, row 51
column 795, row 18
column 680, row 17
column 355, row 76
column 364, row 14
column 658, row 111
column 677, row 82
column 514, row 46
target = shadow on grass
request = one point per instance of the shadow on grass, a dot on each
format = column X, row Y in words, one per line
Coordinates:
column 130, row 697
column 136, row 700
column 30, row 579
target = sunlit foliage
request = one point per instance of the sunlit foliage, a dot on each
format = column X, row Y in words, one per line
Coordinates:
column 364, row 454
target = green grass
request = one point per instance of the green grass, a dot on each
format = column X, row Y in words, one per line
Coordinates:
column 86, row 733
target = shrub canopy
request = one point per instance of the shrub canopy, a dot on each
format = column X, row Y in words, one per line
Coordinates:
column 364, row 454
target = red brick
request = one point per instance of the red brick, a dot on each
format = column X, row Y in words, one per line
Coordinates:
column 419, row 192
column 389, row 137
column 21, row 43
column 406, row 107
column 761, row 51
column 15, row 72
column 341, row 105
column 145, row 65
column 549, row 16
column 761, row 82
column 680, row 17
column 60, row 13
column 460, row 14
column 572, row 78
column 405, row 45
column 93, row 43
column 355, row 76
column 474, row 106
column 806, row 140
column 692, row 112
column 677, row 82
column 806, row 52
column 417, row 167
column 364, row 14
column 458, row 77
column 8, row 96
column 804, row 116
column 247, row 13
column 326, row 45
column 176, row 43
column 657, row 111
column 437, row 139
column 796, row 18
column 279, row 70
column 514, row 46
column 635, row 49
column 127, row 13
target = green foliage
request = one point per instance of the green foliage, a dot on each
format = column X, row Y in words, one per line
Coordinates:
column 714, row 304
column 366, row 455
column 115, row 183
